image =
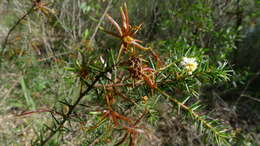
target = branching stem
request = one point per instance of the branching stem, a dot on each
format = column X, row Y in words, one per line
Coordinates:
column 194, row 114
column 18, row 22
column 71, row 109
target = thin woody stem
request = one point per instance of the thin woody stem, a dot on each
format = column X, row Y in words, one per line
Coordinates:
column 100, row 20
column 18, row 22
column 194, row 114
column 71, row 109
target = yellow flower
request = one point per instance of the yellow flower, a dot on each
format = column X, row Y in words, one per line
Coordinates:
column 189, row 64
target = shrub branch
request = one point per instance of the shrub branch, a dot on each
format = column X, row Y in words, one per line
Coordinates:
column 218, row 133
column 29, row 11
column 72, row 107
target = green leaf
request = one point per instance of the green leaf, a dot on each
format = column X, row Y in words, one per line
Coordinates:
column 86, row 34
column 29, row 101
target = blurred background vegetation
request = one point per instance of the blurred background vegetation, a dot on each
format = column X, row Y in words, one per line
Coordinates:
column 32, row 74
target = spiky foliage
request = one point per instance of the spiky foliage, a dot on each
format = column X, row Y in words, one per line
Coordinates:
column 117, row 90
column 122, row 89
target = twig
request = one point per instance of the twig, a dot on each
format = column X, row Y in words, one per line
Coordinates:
column 33, row 112
column 118, row 85
column 44, row 110
column 195, row 115
column 18, row 22
column 71, row 109
column 138, row 83
column 250, row 97
column 246, row 87
column 100, row 20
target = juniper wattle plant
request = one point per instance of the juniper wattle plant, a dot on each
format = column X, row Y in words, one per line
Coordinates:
column 122, row 92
